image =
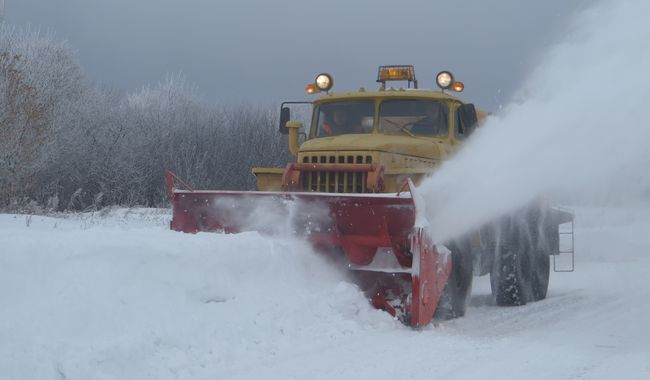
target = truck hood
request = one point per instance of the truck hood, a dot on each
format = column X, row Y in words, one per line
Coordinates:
column 406, row 145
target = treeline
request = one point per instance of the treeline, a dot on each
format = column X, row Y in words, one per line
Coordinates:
column 69, row 144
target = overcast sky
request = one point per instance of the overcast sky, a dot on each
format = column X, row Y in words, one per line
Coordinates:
column 268, row 50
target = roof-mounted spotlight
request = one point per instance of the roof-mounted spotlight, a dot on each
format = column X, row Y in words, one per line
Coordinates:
column 324, row 82
column 444, row 80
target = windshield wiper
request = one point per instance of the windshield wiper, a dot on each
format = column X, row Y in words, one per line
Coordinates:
column 403, row 127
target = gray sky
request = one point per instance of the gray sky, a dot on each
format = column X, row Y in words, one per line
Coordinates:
column 267, row 51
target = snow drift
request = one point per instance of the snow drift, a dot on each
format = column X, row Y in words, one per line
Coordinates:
column 123, row 297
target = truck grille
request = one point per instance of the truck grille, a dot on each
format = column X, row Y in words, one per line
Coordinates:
column 335, row 182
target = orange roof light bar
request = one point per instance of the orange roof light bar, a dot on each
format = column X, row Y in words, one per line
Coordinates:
column 396, row 73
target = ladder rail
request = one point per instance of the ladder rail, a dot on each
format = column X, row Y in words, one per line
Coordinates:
column 570, row 250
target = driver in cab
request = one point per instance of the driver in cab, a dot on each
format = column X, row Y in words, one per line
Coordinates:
column 339, row 123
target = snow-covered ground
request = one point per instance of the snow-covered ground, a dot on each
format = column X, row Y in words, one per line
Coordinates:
column 119, row 296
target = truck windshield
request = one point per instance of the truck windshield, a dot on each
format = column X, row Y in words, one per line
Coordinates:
column 414, row 117
column 341, row 118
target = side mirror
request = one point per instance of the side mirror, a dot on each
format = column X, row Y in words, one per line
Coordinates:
column 285, row 115
column 468, row 119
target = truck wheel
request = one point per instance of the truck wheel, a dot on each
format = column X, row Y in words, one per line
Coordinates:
column 521, row 267
column 541, row 272
column 510, row 278
column 453, row 301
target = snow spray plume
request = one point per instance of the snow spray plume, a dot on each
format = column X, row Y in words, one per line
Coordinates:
column 277, row 216
column 580, row 135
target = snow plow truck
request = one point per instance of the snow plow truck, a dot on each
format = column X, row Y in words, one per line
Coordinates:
column 352, row 193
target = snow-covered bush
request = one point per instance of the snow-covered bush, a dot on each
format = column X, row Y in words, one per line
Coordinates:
column 39, row 81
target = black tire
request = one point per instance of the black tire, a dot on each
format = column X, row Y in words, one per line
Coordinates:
column 453, row 301
column 510, row 277
column 541, row 272
column 521, row 267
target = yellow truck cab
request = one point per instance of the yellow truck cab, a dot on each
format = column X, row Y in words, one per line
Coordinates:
column 372, row 141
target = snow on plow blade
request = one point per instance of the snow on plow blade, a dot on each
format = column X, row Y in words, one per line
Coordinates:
column 374, row 235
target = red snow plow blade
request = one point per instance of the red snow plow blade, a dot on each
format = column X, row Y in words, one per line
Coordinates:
column 373, row 235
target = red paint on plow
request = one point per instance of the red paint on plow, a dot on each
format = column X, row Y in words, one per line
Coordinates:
column 353, row 227
column 429, row 279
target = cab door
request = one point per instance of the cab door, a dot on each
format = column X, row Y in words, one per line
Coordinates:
column 464, row 121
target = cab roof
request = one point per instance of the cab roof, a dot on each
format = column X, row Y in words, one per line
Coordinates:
column 389, row 93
